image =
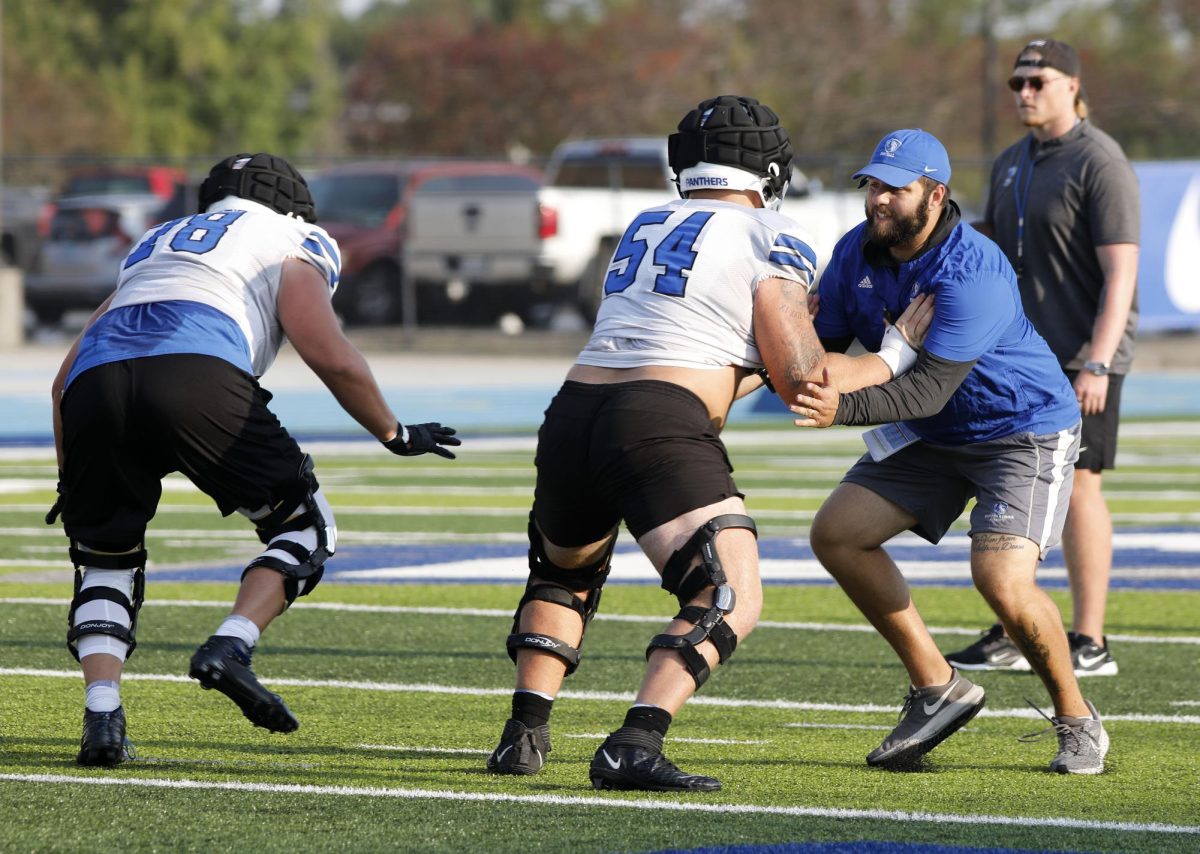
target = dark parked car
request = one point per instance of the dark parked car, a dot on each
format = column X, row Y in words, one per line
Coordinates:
column 366, row 207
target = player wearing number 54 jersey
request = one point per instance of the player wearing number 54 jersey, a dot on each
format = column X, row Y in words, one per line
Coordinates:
column 700, row 294
column 164, row 378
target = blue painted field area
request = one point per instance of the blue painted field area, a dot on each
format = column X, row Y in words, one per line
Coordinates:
column 313, row 413
column 1161, row 559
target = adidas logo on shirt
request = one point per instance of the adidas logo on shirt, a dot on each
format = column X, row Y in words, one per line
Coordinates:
column 865, row 283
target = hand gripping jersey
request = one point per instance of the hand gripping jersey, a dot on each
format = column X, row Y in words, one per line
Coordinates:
column 680, row 287
column 207, row 284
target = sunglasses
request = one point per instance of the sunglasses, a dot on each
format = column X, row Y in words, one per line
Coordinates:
column 1018, row 83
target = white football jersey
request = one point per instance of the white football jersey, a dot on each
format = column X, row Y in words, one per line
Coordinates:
column 230, row 259
column 680, row 287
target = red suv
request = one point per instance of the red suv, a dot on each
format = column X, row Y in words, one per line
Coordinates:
column 365, row 207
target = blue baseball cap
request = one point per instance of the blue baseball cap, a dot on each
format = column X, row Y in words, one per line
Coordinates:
column 905, row 155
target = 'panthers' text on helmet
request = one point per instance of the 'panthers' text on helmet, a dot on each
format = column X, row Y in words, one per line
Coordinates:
column 732, row 142
column 262, row 178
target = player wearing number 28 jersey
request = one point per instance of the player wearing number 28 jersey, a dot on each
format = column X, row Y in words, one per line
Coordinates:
column 208, row 284
column 164, row 378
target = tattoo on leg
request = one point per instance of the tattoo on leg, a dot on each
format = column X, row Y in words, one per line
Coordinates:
column 997, row 543
column 1029, row 640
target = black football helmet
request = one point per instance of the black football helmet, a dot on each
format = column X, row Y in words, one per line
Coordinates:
column 738, row 132
column 262, row 178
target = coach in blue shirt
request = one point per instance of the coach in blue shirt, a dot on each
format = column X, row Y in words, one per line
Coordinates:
column 985, row 412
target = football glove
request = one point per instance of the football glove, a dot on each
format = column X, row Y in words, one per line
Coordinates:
column 422, row 439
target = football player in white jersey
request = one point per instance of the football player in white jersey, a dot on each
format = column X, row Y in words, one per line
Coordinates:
column 164, row 377
column 700, row 293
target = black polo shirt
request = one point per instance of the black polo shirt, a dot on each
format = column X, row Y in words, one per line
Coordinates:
column 1076, row 192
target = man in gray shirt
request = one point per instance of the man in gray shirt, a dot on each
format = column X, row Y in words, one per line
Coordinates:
column 1064, row 206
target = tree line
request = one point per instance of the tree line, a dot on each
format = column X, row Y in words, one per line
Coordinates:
column 196, row 78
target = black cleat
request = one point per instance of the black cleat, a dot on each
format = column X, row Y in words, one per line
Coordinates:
column 632, row 758
column 522, row 749
column 104, row 741
column 224, row 663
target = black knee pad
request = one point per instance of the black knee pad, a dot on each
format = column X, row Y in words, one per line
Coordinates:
column 709, row 623
column 134, row 560
column 299, row 578
column 558, row 585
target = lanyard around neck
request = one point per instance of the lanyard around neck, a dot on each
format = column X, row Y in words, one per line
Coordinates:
column 1021, row 197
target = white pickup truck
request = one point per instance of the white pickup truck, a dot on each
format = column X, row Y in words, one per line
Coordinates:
column 473, row 231
column 595, row 187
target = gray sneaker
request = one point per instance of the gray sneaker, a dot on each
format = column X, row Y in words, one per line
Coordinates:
column 522, row 749
column 1082, row 742
column 993, row 651
column 928, row 717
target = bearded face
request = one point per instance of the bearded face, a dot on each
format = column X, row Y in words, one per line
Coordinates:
column 894, row 223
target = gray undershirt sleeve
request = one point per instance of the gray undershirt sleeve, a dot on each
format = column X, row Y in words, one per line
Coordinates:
column 920, row 393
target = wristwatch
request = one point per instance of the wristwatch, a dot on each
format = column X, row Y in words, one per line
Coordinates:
column 1098, row 368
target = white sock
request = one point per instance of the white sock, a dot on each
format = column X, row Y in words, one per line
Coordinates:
column 242, row 628
column 103, row 695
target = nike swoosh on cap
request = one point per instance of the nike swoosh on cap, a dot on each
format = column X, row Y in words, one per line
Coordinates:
column 930, row 168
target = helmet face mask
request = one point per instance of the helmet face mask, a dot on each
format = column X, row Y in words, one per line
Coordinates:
column 262, row 178
column 732, row 142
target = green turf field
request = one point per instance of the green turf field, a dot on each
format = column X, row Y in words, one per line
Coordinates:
column 402, row 691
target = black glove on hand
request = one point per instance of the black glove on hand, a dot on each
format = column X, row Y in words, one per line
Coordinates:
column 423, row 439
column 57, row 507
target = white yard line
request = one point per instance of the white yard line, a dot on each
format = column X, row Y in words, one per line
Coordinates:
column 600, row 696
column 408, row 748
column 346, row 607
column 641, row 803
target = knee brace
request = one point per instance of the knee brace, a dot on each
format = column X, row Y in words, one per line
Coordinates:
column 556, row 584
column 708, row 623
column 300, row 534
column 109, row 590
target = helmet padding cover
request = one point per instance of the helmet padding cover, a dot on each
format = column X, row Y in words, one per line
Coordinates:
column 262, row 178
column 738, row 132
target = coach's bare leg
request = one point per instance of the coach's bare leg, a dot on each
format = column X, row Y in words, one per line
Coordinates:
column 544, row 672
column 668, row 683
column 1088, row 550
column 1003, row 567
column 847, row 536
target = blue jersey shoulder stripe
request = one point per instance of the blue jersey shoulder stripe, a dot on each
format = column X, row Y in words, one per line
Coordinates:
column 330, row 249
column 795, row 244
column 790, row 259
column 322, row 250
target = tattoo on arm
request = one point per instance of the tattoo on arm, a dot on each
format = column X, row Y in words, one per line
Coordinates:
column 805, row 350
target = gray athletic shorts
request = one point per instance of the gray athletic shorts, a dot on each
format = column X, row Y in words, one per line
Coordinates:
column 1021, row 484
